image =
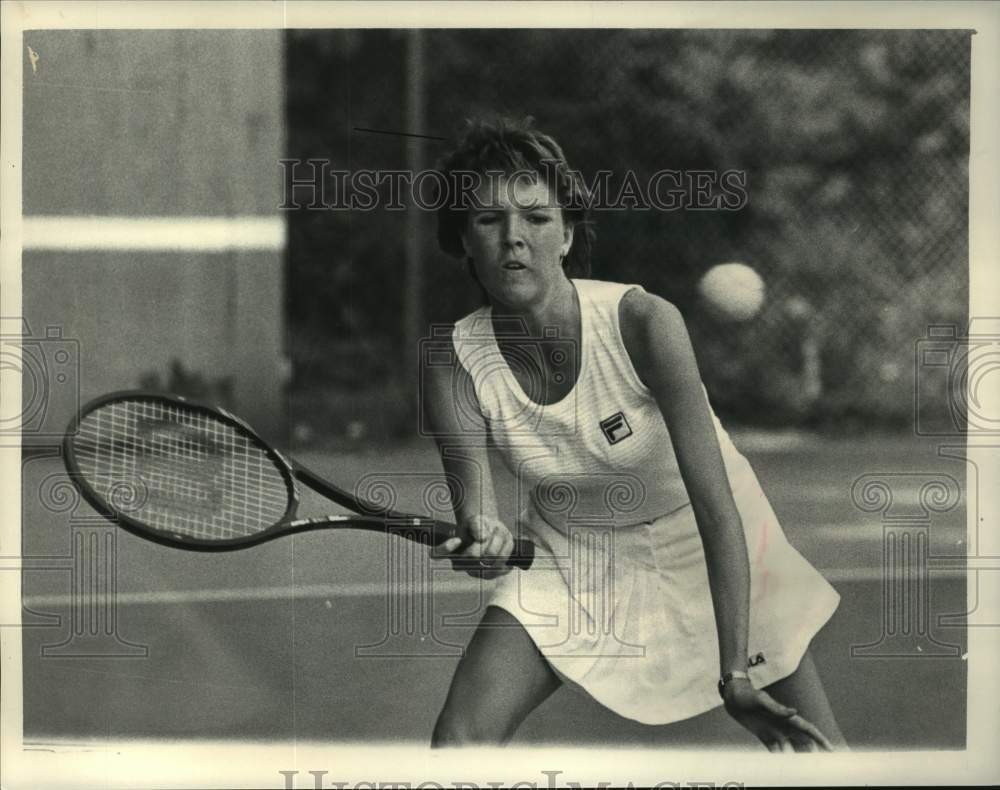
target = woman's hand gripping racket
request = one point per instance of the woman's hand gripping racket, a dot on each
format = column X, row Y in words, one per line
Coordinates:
column 196, row 477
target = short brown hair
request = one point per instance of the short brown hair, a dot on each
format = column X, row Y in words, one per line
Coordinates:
column 509, row 146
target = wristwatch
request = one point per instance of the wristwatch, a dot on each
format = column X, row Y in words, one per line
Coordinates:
column 727, row 677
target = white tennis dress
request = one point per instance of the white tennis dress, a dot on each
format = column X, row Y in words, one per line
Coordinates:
column 618, row 598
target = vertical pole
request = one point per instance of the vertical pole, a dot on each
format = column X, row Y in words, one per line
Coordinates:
column 257, row 320
column 415, row 223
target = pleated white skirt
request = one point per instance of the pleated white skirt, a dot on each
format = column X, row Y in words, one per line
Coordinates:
column 626, row 613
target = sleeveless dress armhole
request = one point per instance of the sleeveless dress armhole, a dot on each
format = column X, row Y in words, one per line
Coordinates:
column 629, row 372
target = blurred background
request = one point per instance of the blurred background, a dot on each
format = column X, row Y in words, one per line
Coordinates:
column 855, row 145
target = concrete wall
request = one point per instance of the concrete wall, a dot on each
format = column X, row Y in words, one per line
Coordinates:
column 167, row 126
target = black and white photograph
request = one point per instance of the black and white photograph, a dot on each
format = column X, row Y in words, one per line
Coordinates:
column 487, row 395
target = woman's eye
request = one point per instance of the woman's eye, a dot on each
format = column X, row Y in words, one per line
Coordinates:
column 539, row 219
column 485, row 219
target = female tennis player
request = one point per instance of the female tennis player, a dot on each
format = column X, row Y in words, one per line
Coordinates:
column 663, row 584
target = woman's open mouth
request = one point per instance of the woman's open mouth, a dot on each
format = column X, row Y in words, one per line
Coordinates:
column 514, row 266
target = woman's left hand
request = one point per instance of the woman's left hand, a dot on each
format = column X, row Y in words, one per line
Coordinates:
column 778, row 727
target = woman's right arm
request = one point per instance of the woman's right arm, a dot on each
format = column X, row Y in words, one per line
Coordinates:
column 461, row 435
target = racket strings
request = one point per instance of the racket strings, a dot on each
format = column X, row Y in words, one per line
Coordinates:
column 180, row 470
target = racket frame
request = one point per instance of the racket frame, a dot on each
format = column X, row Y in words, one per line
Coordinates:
column 370, row 518
column 176, row 539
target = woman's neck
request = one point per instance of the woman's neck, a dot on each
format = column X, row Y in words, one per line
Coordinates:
column 559, row 309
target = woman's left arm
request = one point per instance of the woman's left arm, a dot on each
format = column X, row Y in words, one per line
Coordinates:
column 658, row 345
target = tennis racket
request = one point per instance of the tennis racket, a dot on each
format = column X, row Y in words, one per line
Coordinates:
column 195, row 477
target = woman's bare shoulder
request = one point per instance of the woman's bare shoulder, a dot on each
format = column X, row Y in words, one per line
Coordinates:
column 647, row 321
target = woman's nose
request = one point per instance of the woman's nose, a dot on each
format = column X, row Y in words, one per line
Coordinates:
column 512, row 235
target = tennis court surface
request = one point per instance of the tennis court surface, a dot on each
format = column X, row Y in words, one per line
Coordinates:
column 321, row 637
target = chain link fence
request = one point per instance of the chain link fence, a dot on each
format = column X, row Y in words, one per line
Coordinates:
column 854, row 146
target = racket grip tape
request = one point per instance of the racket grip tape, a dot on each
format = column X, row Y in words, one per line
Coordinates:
column 521, row 556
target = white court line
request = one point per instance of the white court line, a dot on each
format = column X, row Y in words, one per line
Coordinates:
column 843, row 535
column 152, row 234
column 374, row 590
column 815, row 493
column 306, row 591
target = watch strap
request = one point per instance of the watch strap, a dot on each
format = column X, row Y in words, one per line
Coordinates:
column 728, row 677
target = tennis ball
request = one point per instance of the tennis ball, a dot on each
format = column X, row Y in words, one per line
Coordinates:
column 732, row 291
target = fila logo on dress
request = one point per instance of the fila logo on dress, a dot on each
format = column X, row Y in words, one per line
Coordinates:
column 616, row 428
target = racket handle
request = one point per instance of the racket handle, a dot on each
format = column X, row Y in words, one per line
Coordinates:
column 522, row 555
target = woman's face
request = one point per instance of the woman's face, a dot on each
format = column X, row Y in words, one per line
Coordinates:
column 516, row 238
